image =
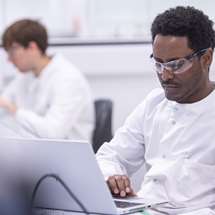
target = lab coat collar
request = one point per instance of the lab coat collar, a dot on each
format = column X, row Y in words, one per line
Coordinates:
column 199, row 107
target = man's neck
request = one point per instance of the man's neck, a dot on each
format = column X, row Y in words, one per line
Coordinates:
column 40, row 64
column 207, row 90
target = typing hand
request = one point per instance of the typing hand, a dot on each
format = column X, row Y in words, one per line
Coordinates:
column 120, row 185
column 9, row 106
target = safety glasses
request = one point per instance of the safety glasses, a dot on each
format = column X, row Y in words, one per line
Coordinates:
column 178, row 65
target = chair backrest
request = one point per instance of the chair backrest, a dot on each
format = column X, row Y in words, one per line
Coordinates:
column 103, row 122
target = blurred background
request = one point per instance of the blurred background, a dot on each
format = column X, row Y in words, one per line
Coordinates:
column 109, row 40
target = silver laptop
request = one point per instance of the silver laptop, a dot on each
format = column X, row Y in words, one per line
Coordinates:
column 58, row 177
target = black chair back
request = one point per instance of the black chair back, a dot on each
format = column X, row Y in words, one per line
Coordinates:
column 103, row 122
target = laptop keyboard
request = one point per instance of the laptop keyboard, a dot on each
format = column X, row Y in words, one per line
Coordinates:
column 122, row 204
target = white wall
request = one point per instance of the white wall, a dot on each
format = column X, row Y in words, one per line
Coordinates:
column 94, row 18
column 123, row 73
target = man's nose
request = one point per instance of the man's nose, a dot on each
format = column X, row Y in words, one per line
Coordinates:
column 167, row 74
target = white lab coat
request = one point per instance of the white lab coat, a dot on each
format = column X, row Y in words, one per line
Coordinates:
column 176, row 142
column 57, row 104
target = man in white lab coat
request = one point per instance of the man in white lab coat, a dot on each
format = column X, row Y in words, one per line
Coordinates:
column 172, row 132
column 50, row 98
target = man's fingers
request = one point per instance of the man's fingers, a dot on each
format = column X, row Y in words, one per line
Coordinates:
column 127, row 184
column 113, row 185
column 132, row 193
column 121, row 185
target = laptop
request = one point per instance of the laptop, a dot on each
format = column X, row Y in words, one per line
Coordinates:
column 58, row 177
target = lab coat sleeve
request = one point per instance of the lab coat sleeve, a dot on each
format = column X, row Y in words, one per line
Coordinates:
column 10, row 91
column 124, row 154
column 67, row 102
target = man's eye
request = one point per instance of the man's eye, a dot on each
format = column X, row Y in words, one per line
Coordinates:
column 178, row 64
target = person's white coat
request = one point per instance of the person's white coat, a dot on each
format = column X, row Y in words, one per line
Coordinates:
column 176, row 143
column 57, row 104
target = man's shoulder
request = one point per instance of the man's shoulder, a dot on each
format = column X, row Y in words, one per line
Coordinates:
column 64, row 67
column 63, row 62
column 154, row 98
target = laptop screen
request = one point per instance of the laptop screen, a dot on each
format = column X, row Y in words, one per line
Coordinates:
column 24, row 162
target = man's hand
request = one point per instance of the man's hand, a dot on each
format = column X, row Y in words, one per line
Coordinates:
column 9, row 106
column 120, row 186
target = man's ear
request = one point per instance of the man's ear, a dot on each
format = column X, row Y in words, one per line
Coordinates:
column 207, row 58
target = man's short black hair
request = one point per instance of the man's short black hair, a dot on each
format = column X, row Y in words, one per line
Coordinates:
column 188, row 22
